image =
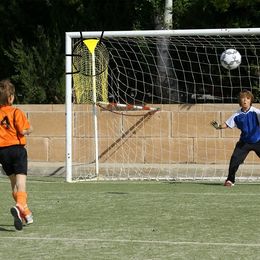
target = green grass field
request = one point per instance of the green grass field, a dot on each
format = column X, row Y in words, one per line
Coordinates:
column 133, row 220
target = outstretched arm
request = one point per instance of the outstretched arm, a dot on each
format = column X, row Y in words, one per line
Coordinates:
column 218, row 126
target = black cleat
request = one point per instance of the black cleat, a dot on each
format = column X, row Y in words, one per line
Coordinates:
column 18, row 223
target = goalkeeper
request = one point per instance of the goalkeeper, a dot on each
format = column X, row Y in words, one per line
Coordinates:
column 247, row 119
column 13, row 155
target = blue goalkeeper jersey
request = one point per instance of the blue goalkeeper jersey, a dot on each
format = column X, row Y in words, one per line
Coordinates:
column 248, row 123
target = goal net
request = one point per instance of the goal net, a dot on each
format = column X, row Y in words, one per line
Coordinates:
column 139, row 103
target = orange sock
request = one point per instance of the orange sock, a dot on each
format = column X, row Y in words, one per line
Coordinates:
column 21, row 202
column 14, row 196
column 26, row 210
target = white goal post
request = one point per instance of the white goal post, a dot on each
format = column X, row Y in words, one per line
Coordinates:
column 139, row 103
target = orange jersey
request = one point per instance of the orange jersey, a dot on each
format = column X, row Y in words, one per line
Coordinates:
column 12, row 122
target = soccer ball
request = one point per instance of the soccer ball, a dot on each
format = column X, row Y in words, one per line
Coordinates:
column 230, row 59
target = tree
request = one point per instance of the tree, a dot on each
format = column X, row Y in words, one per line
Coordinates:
column 190, row 14
column 39, row 70
column 21, row 20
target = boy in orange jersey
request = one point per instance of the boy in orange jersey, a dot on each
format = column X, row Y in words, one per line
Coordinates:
column 13, row 155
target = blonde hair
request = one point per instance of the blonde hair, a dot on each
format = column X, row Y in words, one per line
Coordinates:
column 7, row 89
column 246, row 93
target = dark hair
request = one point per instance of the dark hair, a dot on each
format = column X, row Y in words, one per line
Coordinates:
column 245, row 93
column 7, row 89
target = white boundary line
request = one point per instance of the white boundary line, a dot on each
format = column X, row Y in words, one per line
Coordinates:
column 134, row 241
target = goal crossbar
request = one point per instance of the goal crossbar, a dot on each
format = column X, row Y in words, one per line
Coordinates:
column 155, row 33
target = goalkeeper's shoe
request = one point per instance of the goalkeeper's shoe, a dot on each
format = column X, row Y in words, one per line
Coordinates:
column 229, row 183
column 18, row 222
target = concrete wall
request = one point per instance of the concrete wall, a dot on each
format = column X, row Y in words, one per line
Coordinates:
column 47, row 142
column 182, row 128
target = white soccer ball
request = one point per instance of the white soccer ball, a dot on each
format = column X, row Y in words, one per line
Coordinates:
column 230, row 59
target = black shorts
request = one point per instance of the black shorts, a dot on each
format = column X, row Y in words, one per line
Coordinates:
column 14, row 159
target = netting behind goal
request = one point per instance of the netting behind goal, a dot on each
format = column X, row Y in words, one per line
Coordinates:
column 139, row 103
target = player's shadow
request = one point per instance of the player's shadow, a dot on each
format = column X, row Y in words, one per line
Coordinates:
column 117, row 192
column 212, row 183
column 196, row 183
column 2, row 228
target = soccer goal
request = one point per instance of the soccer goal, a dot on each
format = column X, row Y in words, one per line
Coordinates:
column 139, row 103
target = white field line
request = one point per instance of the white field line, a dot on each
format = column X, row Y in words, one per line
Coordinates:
column 158, row 193
column 126, row 241
column 155, row 193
